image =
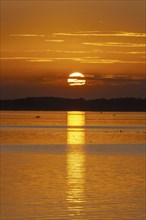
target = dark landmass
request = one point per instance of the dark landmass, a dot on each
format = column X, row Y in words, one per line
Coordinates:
column 64, row 104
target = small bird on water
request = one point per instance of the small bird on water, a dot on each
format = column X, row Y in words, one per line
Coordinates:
column 37, row 116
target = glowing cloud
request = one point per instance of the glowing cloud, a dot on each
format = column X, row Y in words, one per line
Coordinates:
column 55, row 41
column 27, row 35
column 88, row 60
column 114, row 44
column 101, row 34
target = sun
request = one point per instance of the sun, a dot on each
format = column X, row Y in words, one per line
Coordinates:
column 76, row 79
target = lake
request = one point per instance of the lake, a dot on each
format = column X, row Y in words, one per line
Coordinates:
column 72, row 165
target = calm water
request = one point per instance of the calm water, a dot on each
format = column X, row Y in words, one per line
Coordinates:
column 72, row 165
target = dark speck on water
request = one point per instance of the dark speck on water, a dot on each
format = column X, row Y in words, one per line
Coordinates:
column 37, row 116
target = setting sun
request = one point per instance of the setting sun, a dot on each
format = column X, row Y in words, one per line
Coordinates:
column 76, row 79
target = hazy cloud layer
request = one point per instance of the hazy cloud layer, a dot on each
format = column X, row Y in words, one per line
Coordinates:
column 27, row 35
column 101, row 34
column 88, row 60
column 55, row 41
column 91, row 80
column 85, row 34
column 114, row 44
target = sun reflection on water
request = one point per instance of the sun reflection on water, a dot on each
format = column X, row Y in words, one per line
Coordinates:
column 75, row 162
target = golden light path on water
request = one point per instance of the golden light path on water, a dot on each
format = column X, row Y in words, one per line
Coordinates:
column 75, row 163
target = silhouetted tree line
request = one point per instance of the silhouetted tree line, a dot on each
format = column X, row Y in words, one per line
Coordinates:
column 65, row 104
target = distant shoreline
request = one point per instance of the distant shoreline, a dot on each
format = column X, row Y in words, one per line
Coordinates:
column 66, row 104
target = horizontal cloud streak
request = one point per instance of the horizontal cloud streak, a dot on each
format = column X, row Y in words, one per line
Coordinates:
column 70, row 52
column 91, row 79
column 117, row 78
column 85, row 60
column 102, row 34
column 124, row 52
column 27, row 35
column 114, row 44
column 93, row 51
column 40, row 60
column 55, row 41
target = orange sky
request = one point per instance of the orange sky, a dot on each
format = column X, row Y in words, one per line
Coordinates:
column 42, row 42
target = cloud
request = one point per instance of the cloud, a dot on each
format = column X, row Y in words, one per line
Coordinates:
column 102, row 34
column 93, row 51
column 27, row 35
column 114, row 44
column 70, row 52
column 114, row 80
column 40, row 60
column 53, row 59
column 60, row 51
column 55, row 41
column 95, row 79
column 35, row 51
column 121, row 77
column 60, row 79
column 15, row 58
column 29, row 59
column 124, row 52
column 84, row 60
column 94, row 60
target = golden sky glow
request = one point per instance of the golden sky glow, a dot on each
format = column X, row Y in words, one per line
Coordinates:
column 45, row 41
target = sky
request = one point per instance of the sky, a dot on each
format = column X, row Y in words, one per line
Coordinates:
column 43, row 42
